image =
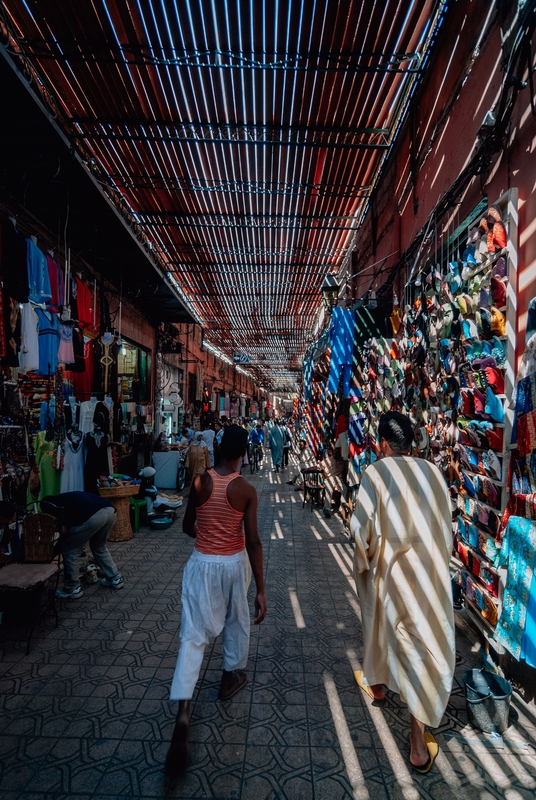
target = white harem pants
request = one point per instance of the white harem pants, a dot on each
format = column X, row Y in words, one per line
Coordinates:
column 214, row 599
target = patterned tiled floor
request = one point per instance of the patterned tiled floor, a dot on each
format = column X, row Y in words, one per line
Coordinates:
column 86, row 714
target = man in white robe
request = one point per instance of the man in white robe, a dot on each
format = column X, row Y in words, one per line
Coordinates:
column 403, row 541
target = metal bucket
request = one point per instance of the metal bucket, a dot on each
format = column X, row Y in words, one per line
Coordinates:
column 488, row 699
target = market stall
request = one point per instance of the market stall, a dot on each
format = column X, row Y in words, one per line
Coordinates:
column 75, row 393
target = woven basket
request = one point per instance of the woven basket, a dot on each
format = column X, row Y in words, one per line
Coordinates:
column 119, row 497
column 111, row 492
column 38, row 537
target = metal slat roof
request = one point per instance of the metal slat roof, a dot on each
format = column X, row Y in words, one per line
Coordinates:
column 243, row 137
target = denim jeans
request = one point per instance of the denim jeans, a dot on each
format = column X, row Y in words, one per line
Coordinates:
column 95, row 531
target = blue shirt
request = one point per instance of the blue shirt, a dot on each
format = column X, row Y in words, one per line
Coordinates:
column 256, row 436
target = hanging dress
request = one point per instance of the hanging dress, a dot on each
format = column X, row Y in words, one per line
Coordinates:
column 29, row 352
column 72, row 477
column 38, row 276
column 87, row 412
column 49, row 476
column 49, row 340
column 96, row 460
column 66, row 349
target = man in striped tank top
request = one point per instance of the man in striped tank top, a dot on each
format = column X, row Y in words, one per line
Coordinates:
column 221, row 516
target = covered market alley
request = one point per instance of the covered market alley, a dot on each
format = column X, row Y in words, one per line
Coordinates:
column 293, row 217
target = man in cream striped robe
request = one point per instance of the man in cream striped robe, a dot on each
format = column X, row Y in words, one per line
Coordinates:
column 403, row 541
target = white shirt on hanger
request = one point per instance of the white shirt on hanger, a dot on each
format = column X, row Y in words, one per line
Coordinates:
column 87, row 410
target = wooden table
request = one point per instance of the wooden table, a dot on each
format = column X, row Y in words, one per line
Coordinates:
column 119, row 497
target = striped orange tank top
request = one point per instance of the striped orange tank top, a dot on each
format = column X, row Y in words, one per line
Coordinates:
column 220, row 531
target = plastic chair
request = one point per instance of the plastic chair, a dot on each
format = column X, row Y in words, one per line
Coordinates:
column 138, row 504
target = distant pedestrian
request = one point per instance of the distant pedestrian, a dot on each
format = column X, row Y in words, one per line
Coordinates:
column 222, row 518
column 197, row 459
column 208, row 438
column 287, row 442
column 218, row 436
column 188, row 432
column 403, row 542
column 276, row 440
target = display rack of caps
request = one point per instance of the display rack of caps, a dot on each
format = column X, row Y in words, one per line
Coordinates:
column 445, row 368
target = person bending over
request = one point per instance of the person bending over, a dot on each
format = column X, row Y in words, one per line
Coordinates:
column 85, row 518
column 221, row 516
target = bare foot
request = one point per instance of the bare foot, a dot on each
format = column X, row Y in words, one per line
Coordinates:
column 418, row 754
column 378, row 691
column 177, row 756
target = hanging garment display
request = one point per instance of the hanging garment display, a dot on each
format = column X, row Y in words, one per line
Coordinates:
column 518, row 553
column 72, row 477
column 66, row 349
column 55, row 275
column 96, row 444
column 528, row 641
column 49, row 340
column 341, row 335
column 79, row 364
column 87, row 411
column 46, row 462
column 102, row 413
column 107, row 340
column 29, row 352
column 38, row 277
column 83, row 303
column 84, row 381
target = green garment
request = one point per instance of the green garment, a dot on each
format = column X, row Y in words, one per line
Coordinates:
column 49, row 476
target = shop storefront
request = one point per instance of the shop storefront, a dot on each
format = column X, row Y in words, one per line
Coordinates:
column 76, row 393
